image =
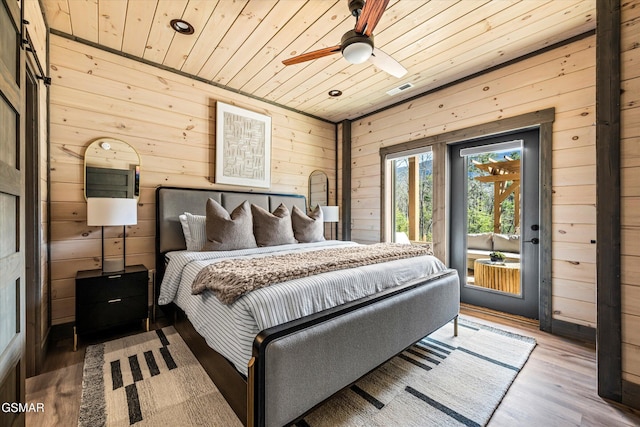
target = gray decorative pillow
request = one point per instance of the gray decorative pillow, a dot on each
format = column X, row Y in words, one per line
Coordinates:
column 272, row 229
column 229, row 232
column 307, row 229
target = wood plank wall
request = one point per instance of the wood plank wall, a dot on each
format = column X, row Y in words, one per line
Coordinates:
column 563, row 78
column 630, row 190
column 170, row 120
column 38, row 33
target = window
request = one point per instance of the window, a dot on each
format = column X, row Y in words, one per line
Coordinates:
column 411, row 199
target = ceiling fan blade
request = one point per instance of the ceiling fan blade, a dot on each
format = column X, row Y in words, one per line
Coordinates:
column 371, row 14
column 386, row 63
column 312, row 55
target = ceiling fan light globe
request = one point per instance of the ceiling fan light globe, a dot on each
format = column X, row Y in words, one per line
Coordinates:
column 356, row 48
column 357, row 53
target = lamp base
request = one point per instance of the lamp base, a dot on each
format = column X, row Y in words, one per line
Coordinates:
column 112, row 265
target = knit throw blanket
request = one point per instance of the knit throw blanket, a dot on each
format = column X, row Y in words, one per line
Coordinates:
column 230, row 279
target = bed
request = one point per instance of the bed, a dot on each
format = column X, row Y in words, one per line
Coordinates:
column 274, row 369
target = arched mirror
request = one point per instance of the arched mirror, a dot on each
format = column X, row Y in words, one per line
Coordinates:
column 318, row 189
column 111, row 169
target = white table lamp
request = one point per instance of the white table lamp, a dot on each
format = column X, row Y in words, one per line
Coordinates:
column 330, row 214
column 103, row 211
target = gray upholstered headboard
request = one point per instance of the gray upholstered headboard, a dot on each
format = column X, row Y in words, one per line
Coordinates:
column 172, row 201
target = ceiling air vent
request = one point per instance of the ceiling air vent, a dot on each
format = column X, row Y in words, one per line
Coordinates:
column 399, row 89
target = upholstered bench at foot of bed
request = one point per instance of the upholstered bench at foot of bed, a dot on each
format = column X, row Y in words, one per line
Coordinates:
column 303, row 368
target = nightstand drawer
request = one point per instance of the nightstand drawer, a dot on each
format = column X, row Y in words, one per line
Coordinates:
column 109, row 287
column 117, row 311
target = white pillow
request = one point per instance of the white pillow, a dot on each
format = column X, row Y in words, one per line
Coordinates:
column 194, row 229
column 185, row 228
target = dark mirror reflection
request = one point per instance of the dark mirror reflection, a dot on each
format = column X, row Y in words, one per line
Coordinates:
column 112, row 169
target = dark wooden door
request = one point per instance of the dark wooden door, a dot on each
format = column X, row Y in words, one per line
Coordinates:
column 12, row 237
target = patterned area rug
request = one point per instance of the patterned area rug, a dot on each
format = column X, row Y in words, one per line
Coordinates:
column 440, row 381
column 149, row 379
column 153, row 379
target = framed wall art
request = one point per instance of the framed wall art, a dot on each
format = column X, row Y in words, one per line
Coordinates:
column 243, row 147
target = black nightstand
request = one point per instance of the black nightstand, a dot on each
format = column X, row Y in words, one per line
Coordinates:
column 112, row 299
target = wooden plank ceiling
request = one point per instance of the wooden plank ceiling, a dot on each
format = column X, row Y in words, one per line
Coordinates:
column 240, row 44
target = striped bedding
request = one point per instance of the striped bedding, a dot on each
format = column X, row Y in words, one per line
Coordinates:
column 230, row 329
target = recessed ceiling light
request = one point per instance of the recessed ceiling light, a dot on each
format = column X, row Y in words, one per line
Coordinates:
column 182, row 27
column 335, row 92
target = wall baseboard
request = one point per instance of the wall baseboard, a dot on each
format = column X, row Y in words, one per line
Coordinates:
column 631, row 394
column 60, row 332
column 572, row 330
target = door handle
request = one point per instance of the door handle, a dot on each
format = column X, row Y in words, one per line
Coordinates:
column 535, row 241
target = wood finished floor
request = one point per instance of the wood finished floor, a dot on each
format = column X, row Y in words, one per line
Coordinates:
column 556, row 387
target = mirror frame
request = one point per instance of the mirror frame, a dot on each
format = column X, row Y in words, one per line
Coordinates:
column 121, row 145
column 311, row 203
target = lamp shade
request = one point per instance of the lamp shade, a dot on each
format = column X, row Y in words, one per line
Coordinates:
column 104, row 211
column 330, row 213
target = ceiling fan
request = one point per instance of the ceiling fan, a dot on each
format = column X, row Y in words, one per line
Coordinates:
column 357, row 44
